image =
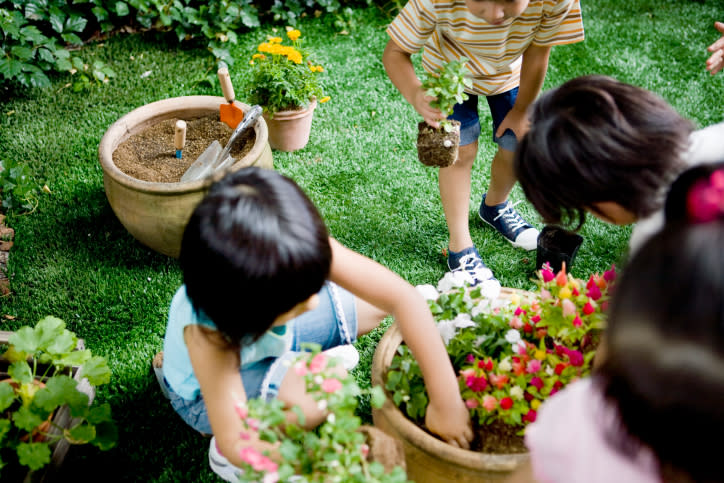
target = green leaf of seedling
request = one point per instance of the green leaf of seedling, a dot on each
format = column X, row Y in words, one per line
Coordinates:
column 73, row 358
column 106, row 435
column 28, row 419
column 7, row 396
column 47, row 330
column 24, row 340
column 63, row 390
column 99, row 414
column 377, row 397
column 81, row 434
column 300, row 415
column 20, row 372
column 5, row 426
column 34, row 455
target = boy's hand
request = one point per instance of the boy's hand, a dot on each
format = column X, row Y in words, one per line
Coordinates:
column 431, row 115
column 715, row 62
column 451, row 422
column 515, row 120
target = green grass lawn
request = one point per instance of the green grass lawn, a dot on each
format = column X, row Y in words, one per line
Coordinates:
column 73, row 259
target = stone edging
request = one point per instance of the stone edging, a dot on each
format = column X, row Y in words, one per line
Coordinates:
column 6, row 242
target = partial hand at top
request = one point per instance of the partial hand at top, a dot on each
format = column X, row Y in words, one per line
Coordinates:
column 715, row 62
column 515, row 120
column 431, row 115
column 451, row 423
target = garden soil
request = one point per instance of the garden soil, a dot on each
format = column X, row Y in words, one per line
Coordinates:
column 431, row 149
column 150, row 155
column 495, row 438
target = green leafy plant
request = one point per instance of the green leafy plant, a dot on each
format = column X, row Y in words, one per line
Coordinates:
column 284, row 77
column 447, row 85
column 47, row 354
column 17, row 189
column 334, row 451
column 510, row 353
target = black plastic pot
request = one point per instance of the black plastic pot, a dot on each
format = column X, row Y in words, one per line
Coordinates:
column 555, row 246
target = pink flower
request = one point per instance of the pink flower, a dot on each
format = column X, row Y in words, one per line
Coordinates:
column 467, row 373
column 535, row 319
column 476, row 384
column 245, row 436
column 537, row 382
column 506, row 403
column 589, row 308
column 490, row 403
column 318, row 363
column 256, row 460
column 545, row 294
column 253, row 423
column 515, row 322
column 594, row 292
column 575, row 357
column 530, row 416
column 547, row 274
column 241, row 410
column 533, row 366
column 569, row 308
column 577, row 322
column 331, row 385
column 471, row 403
column 610, row 275
column 499, row 380
column 364, row 449
column 300, row 368
column 469, row 358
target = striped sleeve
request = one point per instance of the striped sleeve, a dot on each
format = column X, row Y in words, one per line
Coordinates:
column 413, row 25
column 562, row 23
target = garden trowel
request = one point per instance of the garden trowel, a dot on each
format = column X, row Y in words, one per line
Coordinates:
column 228, row 113
column 204, row 163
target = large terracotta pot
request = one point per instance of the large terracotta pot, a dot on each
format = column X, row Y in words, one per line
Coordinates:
column 428, row 459
column 156, row 213
column 289, row 130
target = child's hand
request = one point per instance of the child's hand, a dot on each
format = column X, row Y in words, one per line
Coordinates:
column 715, row 62
column 451, row 422
column 517, row 121
column 431, row 115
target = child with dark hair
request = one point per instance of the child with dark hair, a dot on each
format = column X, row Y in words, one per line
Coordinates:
column 261, row 277
column 603, row 146
column 643, row 413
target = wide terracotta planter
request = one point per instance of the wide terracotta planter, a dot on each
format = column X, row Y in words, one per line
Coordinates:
column 289, row 130
column 428, row 459
column 156, row 213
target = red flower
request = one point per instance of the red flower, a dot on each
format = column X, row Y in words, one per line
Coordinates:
column 557, row 385
column 528, row 396
column 476, row 384
column 575, row 292
column 527, row 328
column 506, row 403
column 537, row 382
column 588, row 309
column 535, row 319
column 577, row 322
column 530, row 416
column 489, row 364
column 559, row 368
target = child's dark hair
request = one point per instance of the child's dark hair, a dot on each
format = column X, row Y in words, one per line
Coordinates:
column 254, row 247
column 597, row 139
column 664, row 366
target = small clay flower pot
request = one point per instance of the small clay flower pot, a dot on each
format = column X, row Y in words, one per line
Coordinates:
column 557, row 245
column 437, row 147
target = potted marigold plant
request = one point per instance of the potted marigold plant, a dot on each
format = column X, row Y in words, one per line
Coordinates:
column 340, row 449
column 285, row 81
column 439, row 147
column 46, row 394
column 511, row 351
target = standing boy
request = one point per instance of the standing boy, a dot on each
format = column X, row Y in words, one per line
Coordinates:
column 508, row 43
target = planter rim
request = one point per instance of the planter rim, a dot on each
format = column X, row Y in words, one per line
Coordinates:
column 159, row 111
column 415, row 435
column 292, row 114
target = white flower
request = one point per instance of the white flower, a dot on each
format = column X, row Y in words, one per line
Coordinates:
column 516, row 392
column 512, row 336
column 428, row 291
column 322, row 404
column 482, row 307
column 453, row 280
column 447, row 330
column 549, row 370
column 331, row 418
column 479, row 340
column 463, row 321
column 505, row 365
column 490, row 289
column 318, row 379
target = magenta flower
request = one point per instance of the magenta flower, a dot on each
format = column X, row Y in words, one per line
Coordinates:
column 547, row 275
column 476, row 384
column 530, row 416
column 331, row 385
column 519, row 311
column 594, row 292
column 575, row 357
column 537, row 382
column 610, row 275
column 470, row 358
column 535, row 319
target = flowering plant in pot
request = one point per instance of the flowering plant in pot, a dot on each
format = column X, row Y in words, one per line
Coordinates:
column 340, row 449
column 439, row 147
column 510, row 352
column 285, row 81
column 44, row 370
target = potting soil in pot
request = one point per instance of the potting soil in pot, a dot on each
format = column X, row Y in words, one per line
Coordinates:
column 150, row 155
column 437, row 147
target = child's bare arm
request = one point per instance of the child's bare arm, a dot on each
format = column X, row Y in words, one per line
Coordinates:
column 532, row 74
column 401, row 72
column 370, row 281
column 715, row 62
column 217, row 371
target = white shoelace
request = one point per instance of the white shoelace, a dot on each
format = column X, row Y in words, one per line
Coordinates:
column 472, row 264
column 511, row 217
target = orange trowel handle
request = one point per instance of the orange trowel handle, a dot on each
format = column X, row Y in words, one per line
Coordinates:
column 226, row 87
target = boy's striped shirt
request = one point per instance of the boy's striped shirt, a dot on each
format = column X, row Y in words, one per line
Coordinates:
column 448, row 31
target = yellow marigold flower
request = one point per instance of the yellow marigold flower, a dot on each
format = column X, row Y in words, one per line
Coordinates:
column 540, row 355
column 251, row 62
column 324, row 99
column 275, row 40
column 295, row 57
column 265, row 47
column 258, row 56
column 535, row 404
column 320, row 68
column 293, row 34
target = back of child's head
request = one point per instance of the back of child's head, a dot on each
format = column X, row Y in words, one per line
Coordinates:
column 664, row 366
column 254, row 247
column 596, row 139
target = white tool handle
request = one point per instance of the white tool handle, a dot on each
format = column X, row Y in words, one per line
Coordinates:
column 226, row 87
column 179, row 137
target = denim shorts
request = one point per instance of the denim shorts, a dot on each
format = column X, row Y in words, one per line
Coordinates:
column 467, row 113
column 332, row 323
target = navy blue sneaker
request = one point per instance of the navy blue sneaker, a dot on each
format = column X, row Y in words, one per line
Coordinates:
column 510, row 224
column 469, row 261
